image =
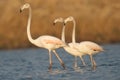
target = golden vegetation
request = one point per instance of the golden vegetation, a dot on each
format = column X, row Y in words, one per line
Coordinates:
column 97, row 20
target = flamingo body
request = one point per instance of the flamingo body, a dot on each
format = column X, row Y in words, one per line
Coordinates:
column 49, row 42
column 88, row 47
column 69, row 48
column 72, row 51
column 85, row 47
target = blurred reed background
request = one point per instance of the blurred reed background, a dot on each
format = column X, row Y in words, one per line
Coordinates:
column 97, row 20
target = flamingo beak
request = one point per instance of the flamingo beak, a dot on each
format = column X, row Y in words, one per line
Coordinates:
column 64, row 24
column 54, row 23
column 20, row 10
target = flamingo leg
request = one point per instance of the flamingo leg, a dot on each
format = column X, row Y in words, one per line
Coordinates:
column 60, row 60
column 75, row 62
column 50, row 60
column 83, row 62
column 93, row 62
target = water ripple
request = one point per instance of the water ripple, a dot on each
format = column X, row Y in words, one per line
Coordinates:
column 32, row 64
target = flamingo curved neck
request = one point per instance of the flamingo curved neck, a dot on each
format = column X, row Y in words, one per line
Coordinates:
column 73, row 33
column 28, row 26
column 63, row 34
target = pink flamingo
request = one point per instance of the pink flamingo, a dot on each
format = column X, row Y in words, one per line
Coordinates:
column 69, row 48
column 48, row 42
column 86, row 47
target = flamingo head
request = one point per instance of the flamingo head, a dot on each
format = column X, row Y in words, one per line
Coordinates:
column 70, row 18
column 26, row 5
column 60, row 19
column 100, row 49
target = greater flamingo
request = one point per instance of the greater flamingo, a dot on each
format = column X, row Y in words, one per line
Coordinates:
column 69, row 48
column 86, row 47
column 48, row 42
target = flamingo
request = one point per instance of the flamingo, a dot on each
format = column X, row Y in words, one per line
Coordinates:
column 45, row 41
column 69, row 48
column 86, row 47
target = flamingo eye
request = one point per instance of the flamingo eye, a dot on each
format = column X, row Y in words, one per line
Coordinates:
column 94, row 50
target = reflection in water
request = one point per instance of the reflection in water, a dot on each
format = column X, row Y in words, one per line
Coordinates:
column 32, row 64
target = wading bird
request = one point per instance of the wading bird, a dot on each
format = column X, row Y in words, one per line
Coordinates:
column 69, row 48
column 86, row 47
column 48, row 42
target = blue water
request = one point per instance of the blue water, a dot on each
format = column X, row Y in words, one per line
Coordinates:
column 32, row 64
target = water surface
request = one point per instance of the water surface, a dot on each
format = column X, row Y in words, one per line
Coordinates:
column 32, row 64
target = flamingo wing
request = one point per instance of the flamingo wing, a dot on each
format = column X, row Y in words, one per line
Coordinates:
column 93, row 46
column 57, row 42
column 51, row 40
